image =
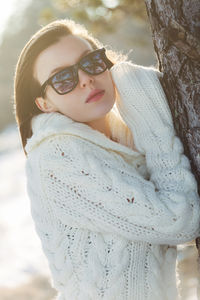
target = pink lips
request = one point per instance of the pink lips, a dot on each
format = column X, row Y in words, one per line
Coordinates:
column 95, row 95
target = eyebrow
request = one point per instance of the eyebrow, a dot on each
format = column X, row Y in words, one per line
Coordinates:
column 63, row 67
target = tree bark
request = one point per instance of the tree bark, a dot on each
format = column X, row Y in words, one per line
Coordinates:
column 175, row 26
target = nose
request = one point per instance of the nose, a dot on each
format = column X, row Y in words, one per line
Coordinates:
column 85, row 78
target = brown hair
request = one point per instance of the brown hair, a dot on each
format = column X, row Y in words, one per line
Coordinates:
column 26, row 87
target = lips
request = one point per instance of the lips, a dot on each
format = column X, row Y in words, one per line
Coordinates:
column 93, row 94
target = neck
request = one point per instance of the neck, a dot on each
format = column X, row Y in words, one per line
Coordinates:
column 101, row 125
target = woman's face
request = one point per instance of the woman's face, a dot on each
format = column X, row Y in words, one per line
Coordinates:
column 66, row 52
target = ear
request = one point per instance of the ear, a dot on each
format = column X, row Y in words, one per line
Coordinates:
column 44, row 105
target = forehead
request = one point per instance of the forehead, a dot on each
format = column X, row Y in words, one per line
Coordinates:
column 65, row 52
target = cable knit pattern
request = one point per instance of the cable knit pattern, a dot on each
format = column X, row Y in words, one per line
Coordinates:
column 109, row 218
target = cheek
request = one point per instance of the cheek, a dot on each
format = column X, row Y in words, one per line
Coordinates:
column 67, row 104
column 111, row 86
column 72, row 107
column 60, row 101
column 110, row 81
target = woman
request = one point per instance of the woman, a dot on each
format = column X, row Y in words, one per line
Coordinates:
column 111, row 191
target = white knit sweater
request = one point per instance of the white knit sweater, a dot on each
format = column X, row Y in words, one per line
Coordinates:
column 109, row 218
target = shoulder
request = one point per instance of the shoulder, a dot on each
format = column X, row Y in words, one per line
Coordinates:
column 60, row 152
column 60, row 144
column 66, row 156
column 68, row 152
column 51, row 129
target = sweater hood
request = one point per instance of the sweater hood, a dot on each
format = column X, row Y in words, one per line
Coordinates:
column 47, row 125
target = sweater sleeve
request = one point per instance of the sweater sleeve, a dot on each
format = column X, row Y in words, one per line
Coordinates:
column 143, row 106
column 101, row 192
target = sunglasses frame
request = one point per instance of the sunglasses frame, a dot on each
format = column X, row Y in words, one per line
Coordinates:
column 75, row 68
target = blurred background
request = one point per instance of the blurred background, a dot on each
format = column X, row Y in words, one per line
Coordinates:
column 120, row 24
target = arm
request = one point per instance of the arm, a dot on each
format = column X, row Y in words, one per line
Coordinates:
column 87, row 189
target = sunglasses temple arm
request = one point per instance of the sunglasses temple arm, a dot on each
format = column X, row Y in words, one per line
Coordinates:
column 43, row 89
column 109, row 63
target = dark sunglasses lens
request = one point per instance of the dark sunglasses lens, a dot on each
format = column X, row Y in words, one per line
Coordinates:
column 94, row 64
column 64, row 81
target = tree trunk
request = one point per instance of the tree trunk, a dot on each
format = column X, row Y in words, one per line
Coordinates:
column 175, row 26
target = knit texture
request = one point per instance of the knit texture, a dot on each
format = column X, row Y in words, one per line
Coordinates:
column 109, row 218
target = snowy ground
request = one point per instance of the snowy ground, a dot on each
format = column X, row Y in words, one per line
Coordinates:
column 24, row 272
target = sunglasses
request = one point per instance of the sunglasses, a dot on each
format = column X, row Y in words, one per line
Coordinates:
column 64, row 81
